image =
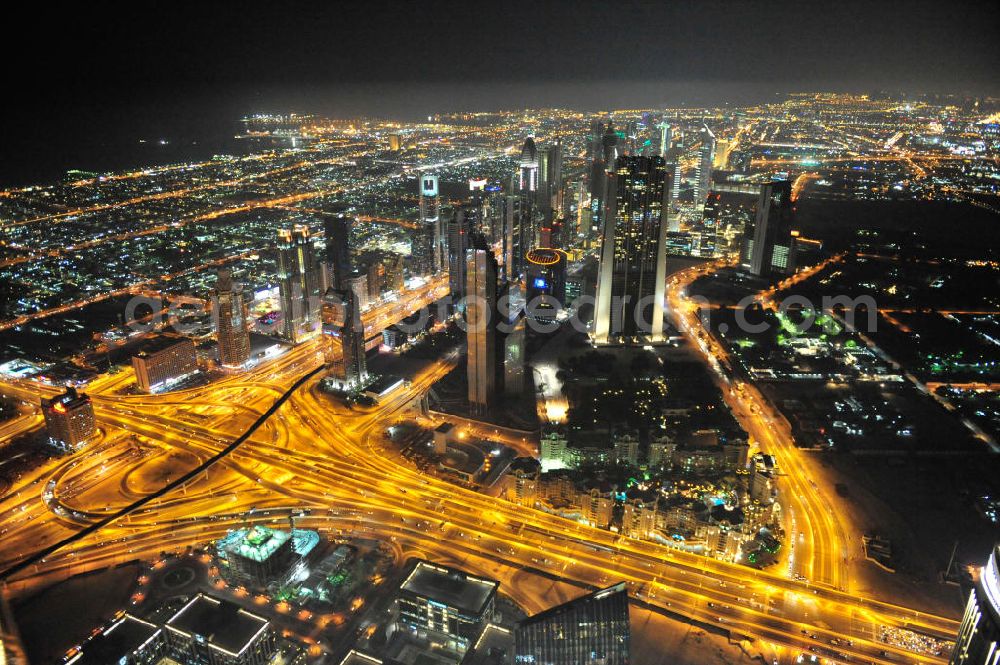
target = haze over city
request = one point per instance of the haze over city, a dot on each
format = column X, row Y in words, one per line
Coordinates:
column 553, row 333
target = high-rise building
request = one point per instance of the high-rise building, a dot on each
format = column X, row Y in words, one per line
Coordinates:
column 233, row 336
column 344, row 338
column 481, row 328
column 128, row 640
column 673, row 161
column 69, row 419
column 445, row 606
column 357, row 283
column 458, row 243
column 666, row 136
column 518, row 234
column 338, row 249
column 395, row 142
column 546, row 282
column 555, row 178
column 631, row 282
column 431, row 224
column 703, row 167
column 978, row 641
column 164, row 360
column 590, row 630
column 601, row 190
column 298, row 282
column 528, row 178
column 549, row 195
column 769, row 248
column 514, row 351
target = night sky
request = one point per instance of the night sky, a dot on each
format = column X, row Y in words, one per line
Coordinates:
column 93, row 78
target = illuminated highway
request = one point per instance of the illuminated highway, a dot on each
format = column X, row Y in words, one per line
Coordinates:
column 316, row 454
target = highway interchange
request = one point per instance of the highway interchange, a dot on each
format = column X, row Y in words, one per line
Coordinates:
column 322, row 460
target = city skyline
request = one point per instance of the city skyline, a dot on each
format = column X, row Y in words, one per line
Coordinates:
column 538, row 343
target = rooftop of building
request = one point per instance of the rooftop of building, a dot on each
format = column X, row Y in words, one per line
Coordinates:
column 450, row 586
column 577, row 603
column 159, row 343
column 68, row 400
column 126, row 635
column 259, row 542
column 224, row 625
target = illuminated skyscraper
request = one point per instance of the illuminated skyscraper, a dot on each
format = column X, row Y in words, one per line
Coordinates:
column 338, row 249
column 528, row 181
column 770, row 247
column 590, row 630
column 481, row 327
column 666, row 136
column 431, row 233
column 298, row 282
column 344, row 337
column 233, row 336
column 703, row 168
column 631, row 281
column 978, row 641
column 548, row 197
column 673, row 160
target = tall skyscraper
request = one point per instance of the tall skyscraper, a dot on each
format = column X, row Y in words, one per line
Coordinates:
column 431, row 225
column 458, row 243
column 481, row 327
column 978, row 641
column 298, row 282
column 528, row 180
column 590, row 630
column 338, row 249
column 554, row 176
column 344, row 337
column 673, row 160
column 631, row 281
column 514, row 351
column 703, row 167
column 666, row 136
column 233, row 336
column 770, row 247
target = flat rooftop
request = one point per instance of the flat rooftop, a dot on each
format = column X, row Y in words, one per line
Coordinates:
column 450, row 587
column 120, row 639
column 156, row 344
column 223, row 624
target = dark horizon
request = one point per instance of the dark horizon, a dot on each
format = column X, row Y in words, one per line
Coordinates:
column 186, row 73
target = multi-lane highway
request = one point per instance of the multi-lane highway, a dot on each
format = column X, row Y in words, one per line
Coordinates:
column 313, row 453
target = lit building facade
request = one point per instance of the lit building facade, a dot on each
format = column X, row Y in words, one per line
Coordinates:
column 591, row 630
column 298, row 283
column 338, row 249
column 344, row 338
column 444, row 605
column 770, row 248
column 481, row 328
column 233, row 335
column 211, row 631
column 978, row 641
column 69, row 420
column 632, row 277
column 164, row 360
